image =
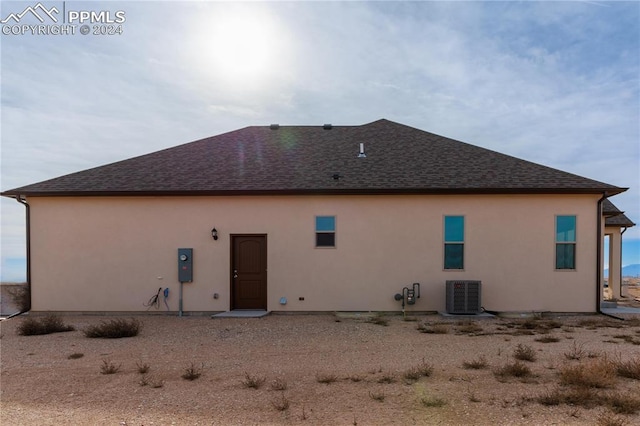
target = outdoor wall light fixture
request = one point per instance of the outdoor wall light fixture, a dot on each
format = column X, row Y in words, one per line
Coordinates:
column 214, row 234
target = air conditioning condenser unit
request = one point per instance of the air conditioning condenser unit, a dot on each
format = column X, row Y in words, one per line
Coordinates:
column 463, row 297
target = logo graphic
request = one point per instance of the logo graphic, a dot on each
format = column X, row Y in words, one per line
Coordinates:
column 70, row 22
column 34, row 11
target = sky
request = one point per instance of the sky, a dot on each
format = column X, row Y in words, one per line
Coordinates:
column 556, row 83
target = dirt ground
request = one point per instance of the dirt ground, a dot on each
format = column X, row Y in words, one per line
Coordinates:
column 56, row 379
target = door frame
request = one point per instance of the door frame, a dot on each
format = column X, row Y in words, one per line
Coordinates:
column 232, row 238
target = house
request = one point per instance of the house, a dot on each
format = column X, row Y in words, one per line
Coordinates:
column 316, row 218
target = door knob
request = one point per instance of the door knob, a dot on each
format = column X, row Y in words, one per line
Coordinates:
column 235, row 273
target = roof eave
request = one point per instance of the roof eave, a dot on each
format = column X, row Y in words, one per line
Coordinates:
column 320, row 191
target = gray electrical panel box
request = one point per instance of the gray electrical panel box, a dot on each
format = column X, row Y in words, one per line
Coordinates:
column 185, row 265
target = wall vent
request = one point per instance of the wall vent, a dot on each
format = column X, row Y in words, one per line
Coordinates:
column 327, row 126
column 463, row 297
column 274, row 126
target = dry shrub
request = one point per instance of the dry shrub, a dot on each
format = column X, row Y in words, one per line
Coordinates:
column 576, row 352
column 515, row 369
column 411, row 375
column 594, row 323
column 431, row 401
column 468, row 326
column 109, row 367
column 279, row 384
column 549, row 398
column 114, row 329
column 622, row 404
column 628, row 369
column 547, row 339
column 192, row 372
column 581, row 396
column 253, row 382
column 599, row 374
column 477, row 364
column 433, row 329
column 326, row 378
column 524, row 353
column 45, row 325
column 379, row 320
column 143, row 367
column 387, row 378
column 281, row 404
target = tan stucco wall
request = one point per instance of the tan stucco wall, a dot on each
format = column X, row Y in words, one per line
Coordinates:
column 112, row 254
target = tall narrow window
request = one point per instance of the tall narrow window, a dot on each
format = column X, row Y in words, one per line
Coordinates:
column 565, row 242
column 454, row 242
column 325, row 231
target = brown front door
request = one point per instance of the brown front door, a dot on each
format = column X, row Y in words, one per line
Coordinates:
column 249, row 272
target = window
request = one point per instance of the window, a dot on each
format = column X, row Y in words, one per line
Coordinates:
column 565, row 242
column 325, row 231
column 454, row 242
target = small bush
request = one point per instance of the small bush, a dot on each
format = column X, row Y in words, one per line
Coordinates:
column 114, row 329
column 547, row 339
column 477, row 364
column 515, row 369
column 622, row 404
column 143, row 368
column 45, row 325
column 414, row 373
column 576, row 352
column 428, row 401
column 629, row 369
column 581, row 396
column 595, row 374
column 387, row 378
column 433, row 329
column 108, row 367
column 253, row 382
column 524, row 353
column 550, row 398
column 326, row 378
column 468, row 326
column 281, row 404
column 411, row 375
column 192, row 372
column 145, row 380
column 75, row 355
column 356, row 378
column 279, row 384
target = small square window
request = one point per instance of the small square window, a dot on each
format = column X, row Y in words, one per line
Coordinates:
column 325, row 231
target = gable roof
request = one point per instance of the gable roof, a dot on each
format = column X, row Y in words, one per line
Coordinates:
column 319, row 160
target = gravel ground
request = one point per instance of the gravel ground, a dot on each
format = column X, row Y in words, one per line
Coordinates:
column 41, row 385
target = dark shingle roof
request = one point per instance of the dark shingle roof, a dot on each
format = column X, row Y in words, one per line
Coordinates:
column 615, row 217
column 305, row 159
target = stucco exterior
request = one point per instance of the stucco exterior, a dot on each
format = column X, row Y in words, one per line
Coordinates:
column 113, row 253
